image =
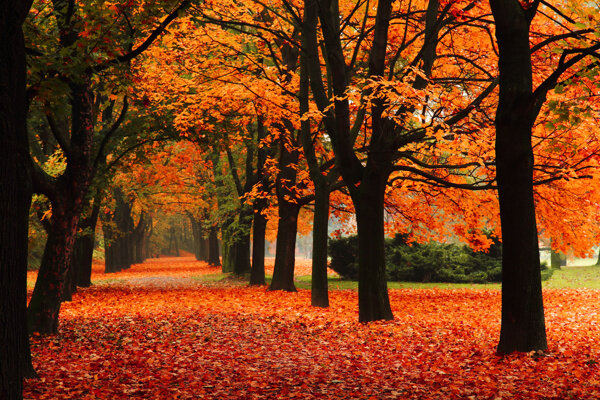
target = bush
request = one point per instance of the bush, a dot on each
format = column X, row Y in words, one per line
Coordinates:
column 344, row 256
column 431, row 262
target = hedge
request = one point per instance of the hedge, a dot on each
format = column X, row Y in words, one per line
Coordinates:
column 429, row 262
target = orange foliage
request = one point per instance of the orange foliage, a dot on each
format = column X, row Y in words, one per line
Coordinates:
column 224, row 341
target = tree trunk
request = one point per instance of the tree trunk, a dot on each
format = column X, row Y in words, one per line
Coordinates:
column 44, row 306
column 67, row 195
column 259, row 228
column 15, row 198
column 557, row 259
column 200, row 243
column 373, row 299
column 213, row 247
column 69, row 279
column 125, row 228
column 522, row 324
column 241, row 262
column 228, row 245
column 83, row 257
column 285, row 252
column 319, row 290
column 109, row 245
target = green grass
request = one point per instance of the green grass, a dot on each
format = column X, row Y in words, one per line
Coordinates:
column 303, row 282
column 567, row 277
column 575, row 277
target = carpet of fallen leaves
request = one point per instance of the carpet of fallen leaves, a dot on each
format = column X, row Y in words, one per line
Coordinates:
column 220, row 340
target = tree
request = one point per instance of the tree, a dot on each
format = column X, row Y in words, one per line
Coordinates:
column 77, row 137
column 15, row 198
column 519, row 104
column 389, row 102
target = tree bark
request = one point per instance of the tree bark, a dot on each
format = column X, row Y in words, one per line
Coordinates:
column 213, row 247
column 319, row 288
column 285, row 251
column 15, row 199
column 227, row 232
column 67, row 196
column 289, row 208
column 259, row 228
column 522, row 324
column 373, row 299
column 366, row 184
column 259, row 222
column 241, row 261
column 44, row 306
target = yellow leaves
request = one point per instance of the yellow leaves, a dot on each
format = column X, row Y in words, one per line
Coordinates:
column 46, row 215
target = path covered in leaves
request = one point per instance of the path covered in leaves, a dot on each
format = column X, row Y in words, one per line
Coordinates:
column 156, row 332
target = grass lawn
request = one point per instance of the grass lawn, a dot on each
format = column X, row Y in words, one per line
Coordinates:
column 575, row 277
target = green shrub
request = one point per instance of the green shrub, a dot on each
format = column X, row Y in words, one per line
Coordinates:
column 430, row 262
column 344, row 256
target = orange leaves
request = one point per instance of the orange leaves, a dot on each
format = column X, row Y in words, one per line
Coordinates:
column 218, row 340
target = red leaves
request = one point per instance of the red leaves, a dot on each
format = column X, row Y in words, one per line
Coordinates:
column 212, row 340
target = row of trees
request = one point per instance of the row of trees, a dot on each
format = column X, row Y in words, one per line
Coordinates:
column 391, row 102
column 377, row 109
column 68, row 98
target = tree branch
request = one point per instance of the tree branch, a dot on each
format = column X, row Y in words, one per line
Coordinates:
column 58, row 134
column 108, row 135
column 149, row 40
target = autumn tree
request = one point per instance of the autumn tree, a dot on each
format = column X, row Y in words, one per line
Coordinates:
column 75, row 74
column 388, row 113
column 519, row 104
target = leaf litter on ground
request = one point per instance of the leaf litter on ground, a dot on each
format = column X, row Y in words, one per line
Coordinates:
column 187, row 340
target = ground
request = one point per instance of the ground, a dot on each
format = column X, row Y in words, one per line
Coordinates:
column 174, row 328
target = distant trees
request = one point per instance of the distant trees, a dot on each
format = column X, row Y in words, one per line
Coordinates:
column 71, row 82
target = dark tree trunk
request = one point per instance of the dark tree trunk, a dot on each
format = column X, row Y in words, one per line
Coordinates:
column 285, row 252
column 83, row 252
column 137, row 239
column 146, row 250
column 522, row 325
column 83, row 256
column 227, row 232
column 44, row 306
column 373, row 299
column 287, row 228
column 15, row 198
column 67, row 195
column 200, row 242
column 319, row 288
column 124, row 221
column 366, row 184
column 213, row 247
column 259, row 228
column 68, row 289
column 259, row 221
column 241, row 261
column 203, row 249
column 109, row 245
column 120, row 236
